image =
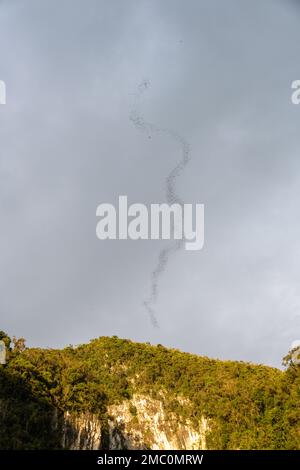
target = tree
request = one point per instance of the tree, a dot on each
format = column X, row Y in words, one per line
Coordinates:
column 292, row 358
column 4, row 337
column 19, row 344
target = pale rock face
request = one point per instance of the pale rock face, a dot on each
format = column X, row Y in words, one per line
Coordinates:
column 139, row 423
column 81, row 432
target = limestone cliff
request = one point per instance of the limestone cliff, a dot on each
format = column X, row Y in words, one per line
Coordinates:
column 114, row 393
column 139, row 423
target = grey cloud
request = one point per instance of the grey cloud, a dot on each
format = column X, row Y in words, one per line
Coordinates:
column 220, row 75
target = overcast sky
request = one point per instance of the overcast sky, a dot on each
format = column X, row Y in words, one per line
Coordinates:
column 220, row 75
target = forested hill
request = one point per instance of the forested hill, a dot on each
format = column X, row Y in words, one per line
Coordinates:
column 115, row 393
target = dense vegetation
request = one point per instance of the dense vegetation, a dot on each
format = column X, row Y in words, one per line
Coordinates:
column 249, row 406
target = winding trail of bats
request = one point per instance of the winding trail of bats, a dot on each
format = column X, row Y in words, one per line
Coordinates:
column 172, row 198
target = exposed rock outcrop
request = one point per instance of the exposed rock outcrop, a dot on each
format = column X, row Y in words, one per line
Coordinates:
column 139, row 423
